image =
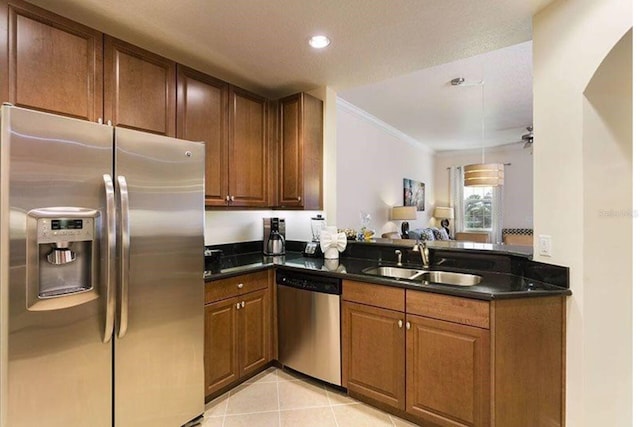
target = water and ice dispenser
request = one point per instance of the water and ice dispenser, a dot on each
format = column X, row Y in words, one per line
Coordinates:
column 63, row 256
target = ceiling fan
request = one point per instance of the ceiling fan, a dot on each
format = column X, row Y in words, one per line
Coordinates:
column 528, row 137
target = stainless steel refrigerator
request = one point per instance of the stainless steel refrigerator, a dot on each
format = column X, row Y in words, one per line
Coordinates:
column 101, row 295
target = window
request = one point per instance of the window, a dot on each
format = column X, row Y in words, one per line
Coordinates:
column 478, row 205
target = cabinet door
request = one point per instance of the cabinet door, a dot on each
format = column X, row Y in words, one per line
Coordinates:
column 290, row 152
column 373, row 353
column 55, row 64
column 248, row 157
column 140, row 88
column 300, row 152
column 220, row 344
column 203, row 115
column 254, row 331
column 447, row 372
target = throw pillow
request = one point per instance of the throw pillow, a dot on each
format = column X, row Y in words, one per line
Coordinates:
column 440, row 234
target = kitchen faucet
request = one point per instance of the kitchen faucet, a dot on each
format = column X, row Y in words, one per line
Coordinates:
column 421, row 246
column 399, row 255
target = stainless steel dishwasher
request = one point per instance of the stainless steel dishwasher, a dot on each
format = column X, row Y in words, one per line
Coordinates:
column 309, row 324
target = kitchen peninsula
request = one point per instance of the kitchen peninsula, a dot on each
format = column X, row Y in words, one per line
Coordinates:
column 433, row 353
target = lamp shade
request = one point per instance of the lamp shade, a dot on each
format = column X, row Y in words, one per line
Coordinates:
column 404, row 212
column 484, row 175
column 441, row 212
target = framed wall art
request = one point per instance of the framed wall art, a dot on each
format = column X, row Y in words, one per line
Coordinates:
column 413, row 193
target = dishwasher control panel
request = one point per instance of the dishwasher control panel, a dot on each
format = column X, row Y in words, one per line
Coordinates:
column 309, row 282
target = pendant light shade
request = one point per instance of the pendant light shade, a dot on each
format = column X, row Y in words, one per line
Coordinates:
column 484, row 175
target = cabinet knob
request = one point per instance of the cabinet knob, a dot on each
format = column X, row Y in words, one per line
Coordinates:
column 240, row 285
column 108, row 122
column 399, row 323
column 242, row 304
column 299, row 198
column 100, row 120
column 237, row 306
column 408, row 325
column 232, row 198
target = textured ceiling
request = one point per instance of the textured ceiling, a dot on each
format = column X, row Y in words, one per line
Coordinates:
column 262, row 44
column 425, row 106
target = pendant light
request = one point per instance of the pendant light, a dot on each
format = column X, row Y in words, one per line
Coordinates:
column 482, row 174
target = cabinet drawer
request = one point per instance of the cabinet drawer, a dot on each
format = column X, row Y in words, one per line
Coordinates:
column 234, row 286
column 453, row 309
column 376, row 295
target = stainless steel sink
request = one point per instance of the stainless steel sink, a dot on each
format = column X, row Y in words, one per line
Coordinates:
column 397, row 272
column 449, row 278
column 436, row 277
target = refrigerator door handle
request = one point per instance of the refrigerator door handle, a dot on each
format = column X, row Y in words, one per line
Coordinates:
column 125, row 240
column 110, row 219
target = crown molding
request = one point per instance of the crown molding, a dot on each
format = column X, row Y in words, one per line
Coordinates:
column 350, row 108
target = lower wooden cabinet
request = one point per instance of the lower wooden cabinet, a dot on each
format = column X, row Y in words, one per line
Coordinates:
column 238, row 331
column 428, row 357
column 447, row 372
column 254, row 331
column 373, row 352
column 220, row 344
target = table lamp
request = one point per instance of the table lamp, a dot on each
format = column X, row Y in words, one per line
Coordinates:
column 404, row 213
column 444, row 214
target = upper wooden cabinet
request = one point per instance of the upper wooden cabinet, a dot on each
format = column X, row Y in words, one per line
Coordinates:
column 249, row 160
column 233, row 124
column 260, row 153
column 54, row 64
column 140, row 88
column 300, row 152
column 203, row 115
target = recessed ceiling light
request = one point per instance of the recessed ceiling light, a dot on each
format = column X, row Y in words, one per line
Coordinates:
column 319, row 42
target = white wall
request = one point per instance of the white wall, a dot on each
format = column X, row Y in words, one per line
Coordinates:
column 582, row 168
column 372, row 160
column 518, row 181
column 246, row 225
column 230, row 226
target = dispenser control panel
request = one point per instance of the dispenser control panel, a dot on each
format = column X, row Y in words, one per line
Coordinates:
column 52, row 230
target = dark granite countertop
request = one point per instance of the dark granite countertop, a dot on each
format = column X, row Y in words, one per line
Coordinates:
column 494, row 285
column 454, row 245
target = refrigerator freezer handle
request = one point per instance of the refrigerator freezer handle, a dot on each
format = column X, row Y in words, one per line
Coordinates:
column 110, row 219
column 123, row 315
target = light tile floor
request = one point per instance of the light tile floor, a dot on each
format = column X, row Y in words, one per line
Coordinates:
column 282, row 399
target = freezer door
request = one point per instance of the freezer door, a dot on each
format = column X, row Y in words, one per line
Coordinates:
column 55, row 367
column 159, row 372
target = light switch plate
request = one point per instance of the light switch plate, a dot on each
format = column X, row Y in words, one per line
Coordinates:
column 544, row 247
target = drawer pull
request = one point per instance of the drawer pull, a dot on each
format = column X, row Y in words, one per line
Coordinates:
column 237, row 306
column 408, row 325
column 399, row 323
column 242, row 304
column 240, row 285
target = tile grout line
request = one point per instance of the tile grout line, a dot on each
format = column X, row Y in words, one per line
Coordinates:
column 226, row 407
column 278, row 394
column 335, row 419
